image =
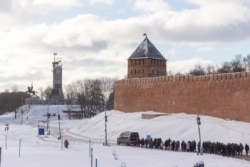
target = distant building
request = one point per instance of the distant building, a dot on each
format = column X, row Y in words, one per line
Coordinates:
column 57, row 91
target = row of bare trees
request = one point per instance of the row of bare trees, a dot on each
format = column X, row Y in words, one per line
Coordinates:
column 9, row 101
column 92, row 95
column 238, row 64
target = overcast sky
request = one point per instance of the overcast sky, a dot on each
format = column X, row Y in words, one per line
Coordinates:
column 94, row 38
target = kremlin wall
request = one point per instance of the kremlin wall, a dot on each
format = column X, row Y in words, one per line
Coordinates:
column 225, row 96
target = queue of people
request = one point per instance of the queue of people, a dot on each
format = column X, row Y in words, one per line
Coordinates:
column 229, row 149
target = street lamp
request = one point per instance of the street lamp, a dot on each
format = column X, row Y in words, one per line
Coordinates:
column 22, row 115
column 59, row 118
column 199, row 144
column 106, row 135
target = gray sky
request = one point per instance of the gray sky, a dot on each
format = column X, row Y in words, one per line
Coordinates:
column 94, row 38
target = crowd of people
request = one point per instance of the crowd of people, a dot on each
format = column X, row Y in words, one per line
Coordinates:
column 229, row 149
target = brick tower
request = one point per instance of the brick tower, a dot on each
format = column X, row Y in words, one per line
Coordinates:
column 146, row 61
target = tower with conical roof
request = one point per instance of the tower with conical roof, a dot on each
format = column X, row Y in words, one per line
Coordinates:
column 146, row 61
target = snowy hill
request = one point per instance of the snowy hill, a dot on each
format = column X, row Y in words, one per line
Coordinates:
column 47, row 150
column 176, row 126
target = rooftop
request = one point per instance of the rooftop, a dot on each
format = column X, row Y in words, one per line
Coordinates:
column 146, row 49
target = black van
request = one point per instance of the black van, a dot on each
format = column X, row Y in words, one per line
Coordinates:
column 128, row 138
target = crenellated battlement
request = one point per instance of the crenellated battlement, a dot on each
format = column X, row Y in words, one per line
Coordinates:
column 186, row 78
column 220, row 95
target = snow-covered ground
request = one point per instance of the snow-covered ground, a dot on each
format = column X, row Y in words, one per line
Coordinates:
column 23, row 147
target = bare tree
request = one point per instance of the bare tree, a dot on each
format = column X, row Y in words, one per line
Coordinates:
column 110, row 102
column 9, row 101
column 107, row 86
column 226, row 68
column 79, row 86
column 41, row 92
column 48, row 93
column 246, row 61
column 210, row 69
column 94, row 96
column 71, row 94
column 197, row 71
column 91, row 94
column 237, row 64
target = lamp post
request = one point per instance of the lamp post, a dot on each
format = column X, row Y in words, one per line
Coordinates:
column 199, row 144
column 22, row 115
column 106, row 135
column 59, row 118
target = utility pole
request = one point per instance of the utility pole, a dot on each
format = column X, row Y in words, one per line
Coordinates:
column 0, row 156
column 48, row 117
column 20, row 141
column 200, row 149
column 91, row 157
column 106, row 136
column 22, row 115
column 60, row 136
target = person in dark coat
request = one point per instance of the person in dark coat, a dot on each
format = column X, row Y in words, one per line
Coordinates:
column 142, row 142
column 241, row 149
column 183, row 146
column 66, row 143
column 246, row 149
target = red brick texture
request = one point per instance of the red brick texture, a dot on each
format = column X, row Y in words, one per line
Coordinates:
column 224, row 95
column 139, row 68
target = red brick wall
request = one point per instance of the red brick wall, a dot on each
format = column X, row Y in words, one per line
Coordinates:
column 226, row 96
column 138, row 68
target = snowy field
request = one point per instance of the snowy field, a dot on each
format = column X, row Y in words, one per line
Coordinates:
column 23, row 147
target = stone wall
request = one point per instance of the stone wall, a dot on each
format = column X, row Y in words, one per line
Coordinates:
column 224, row 95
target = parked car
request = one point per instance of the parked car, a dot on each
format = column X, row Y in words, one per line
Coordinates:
column 128, row 138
